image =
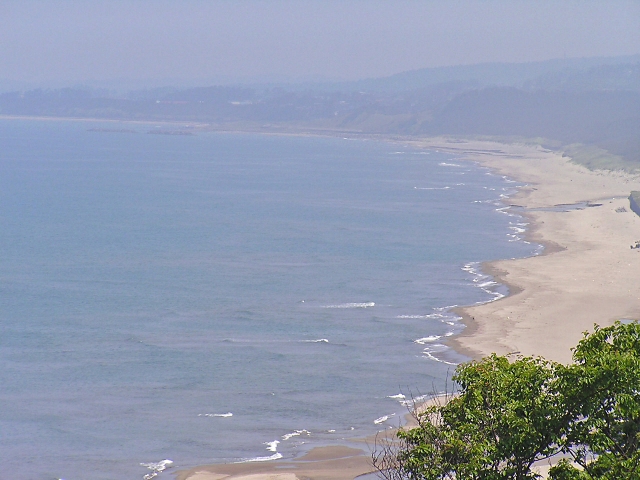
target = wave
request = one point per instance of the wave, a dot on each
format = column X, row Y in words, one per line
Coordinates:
column 275, row 456
column 352, row 305
column 415, row 400
column 296, row 433
column 399, row 396
column 156, row 468
column 445, row 164
column 432, row 188
column 320, row 340
column 429, row 353
column 383, row 419
column 272, row 446
column 223, row 415
column 429, row 339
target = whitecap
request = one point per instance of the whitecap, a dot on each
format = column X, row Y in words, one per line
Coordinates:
column 156, row 468
column 320, row 340
column 432, row 188
column 430, row 356
column 295, row 433
column 352, row 305
column 445, row 164
column 383, row 419
column 275, row 456
column 399, row 396
column 429, row 339
column 414, row 400
column 223, row 415
column 272, row 446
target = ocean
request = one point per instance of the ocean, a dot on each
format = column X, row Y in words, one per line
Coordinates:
column 226, row 297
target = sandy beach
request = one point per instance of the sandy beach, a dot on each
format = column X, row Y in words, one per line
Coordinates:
column 587, row 274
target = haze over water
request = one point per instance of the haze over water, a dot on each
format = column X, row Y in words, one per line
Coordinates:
column 152, row 285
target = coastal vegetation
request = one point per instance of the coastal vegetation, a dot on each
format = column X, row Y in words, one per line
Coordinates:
column 511, row 414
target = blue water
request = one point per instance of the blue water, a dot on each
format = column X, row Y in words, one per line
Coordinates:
column 150, row 282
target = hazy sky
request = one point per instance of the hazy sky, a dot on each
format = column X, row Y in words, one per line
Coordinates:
column 54, row 41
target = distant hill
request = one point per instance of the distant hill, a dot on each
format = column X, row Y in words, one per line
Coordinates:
column 593, row 102
column 544, row 74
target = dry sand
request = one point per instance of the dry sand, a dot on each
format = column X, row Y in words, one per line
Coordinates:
column 587, row 274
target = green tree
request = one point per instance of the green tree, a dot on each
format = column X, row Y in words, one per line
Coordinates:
column 508, row 414
column 505, row 417
column 603, row 389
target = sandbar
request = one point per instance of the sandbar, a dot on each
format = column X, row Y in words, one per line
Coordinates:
column 321, row 463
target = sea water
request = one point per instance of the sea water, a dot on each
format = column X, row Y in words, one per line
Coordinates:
column 226, row 297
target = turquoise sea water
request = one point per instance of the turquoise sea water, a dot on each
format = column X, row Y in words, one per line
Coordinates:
column 198, row 298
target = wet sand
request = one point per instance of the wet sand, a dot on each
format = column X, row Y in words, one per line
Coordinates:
column 322, row 463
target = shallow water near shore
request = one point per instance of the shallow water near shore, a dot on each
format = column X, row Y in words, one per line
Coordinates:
column 226, row 297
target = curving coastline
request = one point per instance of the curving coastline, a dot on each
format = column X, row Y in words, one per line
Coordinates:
column 587, row 273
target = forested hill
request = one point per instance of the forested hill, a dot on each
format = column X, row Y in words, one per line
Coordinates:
column 564, row 103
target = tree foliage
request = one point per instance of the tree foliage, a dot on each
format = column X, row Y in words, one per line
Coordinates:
column 509, row 413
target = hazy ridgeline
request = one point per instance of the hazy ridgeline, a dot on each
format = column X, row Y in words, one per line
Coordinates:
column 592, row 102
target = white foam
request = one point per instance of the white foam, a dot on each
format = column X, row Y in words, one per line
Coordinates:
column 432, row 188
column 399, row 396
column 275, row 456
column 445, row 164
column 352, row 305
column 320, row 340
column 429, row 339
column 383, row 419
column 413, row 400
column 156, row 468
column 429, row 355
column 444, row 309
column 272, row 446
column 223, row 415
column 296, row 433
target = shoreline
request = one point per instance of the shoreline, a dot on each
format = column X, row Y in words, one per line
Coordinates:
column 552, row 311
column 586, row 273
